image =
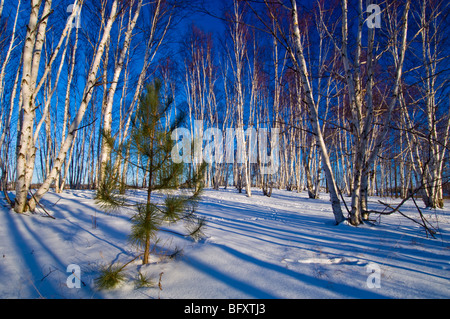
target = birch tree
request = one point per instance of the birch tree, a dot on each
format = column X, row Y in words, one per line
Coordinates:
column 428, row 135
column 31, row 60
column 299, row 61
column 239, row 37
column 361, row 97
column 6, row 113
column 297, row 55
column 87, row 95
column 61, row 176
column 107, row 119
column 431, row 31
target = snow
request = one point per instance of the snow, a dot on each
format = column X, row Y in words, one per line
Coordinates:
column 285, row 246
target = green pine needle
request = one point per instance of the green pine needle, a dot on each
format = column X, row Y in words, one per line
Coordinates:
column 110, row 277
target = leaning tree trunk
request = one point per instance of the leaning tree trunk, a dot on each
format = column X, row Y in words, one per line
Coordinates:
column 314, row 117
column 91, row 83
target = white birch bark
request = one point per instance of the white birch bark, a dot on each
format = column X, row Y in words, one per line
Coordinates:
column 429, row 170
column 31, row 57
column 314, row 116
column 2, row 2
column 107, row 120
column 26, row 116
column 362, row 120
column 61, row 178
column 239, row 48
column 6, row 60
column 87, row 94
column 399, row 57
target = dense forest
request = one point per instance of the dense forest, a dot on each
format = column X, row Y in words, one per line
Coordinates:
column 346, row 96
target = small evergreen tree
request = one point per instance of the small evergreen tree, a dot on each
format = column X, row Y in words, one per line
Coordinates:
column 151, row 140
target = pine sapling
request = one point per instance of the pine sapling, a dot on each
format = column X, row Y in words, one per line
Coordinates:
column 151, row 141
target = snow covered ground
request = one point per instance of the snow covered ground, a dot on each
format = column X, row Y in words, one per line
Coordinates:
column 285, row 246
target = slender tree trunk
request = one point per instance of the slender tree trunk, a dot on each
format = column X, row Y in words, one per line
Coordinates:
column 26, row 116
column 107, row 120
column 91, row 83
column 31, row 58
column 314, row 117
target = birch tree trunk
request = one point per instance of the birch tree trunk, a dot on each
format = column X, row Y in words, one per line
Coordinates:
column 31, row 58
column 362, row 120
column 87, row 94
column 239, row 48
column 107, row 119
column 26, row 116
column 6, row 60
column 430, row 27
column 61, row 176
column 314, row 116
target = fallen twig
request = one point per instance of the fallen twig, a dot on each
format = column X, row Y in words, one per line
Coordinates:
column 40, row 205
column 431, row 231
column 50, row 271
